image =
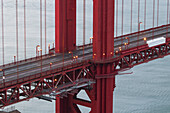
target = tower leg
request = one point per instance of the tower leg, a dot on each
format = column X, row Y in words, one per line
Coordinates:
column 65, row 25
column 103, row 49
column 57, row 105
column 103, row 102
column 66, row 105
column 101, row 97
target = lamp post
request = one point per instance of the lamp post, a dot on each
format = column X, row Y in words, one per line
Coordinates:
column 76, row 59
column 138, row 32
column 41, row 60
column 70, row 52
column 3, row 76
column 145, row 39
column 41, row 52
column 49, row 48
column 53, row 44
column 14, row 59
column 50, row 66
column 37, row 50
column 127, row 39
column 91, row 38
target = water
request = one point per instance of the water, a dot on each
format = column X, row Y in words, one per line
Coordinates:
column 145, row 91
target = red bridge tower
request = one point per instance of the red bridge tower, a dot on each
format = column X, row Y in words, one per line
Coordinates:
column 103, row 49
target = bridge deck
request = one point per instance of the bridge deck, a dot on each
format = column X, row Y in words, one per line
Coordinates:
column 33, row 66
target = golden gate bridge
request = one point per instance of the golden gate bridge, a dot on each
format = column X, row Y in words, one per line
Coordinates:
column 64, row 70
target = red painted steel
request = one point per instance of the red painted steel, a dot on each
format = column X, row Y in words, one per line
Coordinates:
column 117, row 3
column 122, row 21
column 127, row 59
column 65, row 29
column 103, row 49
column 103, row 29
column 101, row 70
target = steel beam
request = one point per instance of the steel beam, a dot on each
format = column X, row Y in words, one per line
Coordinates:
column 65, row 25
column 103, row 48
column 103, row 26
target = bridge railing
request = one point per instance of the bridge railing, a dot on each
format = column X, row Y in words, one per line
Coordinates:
column 136, row 33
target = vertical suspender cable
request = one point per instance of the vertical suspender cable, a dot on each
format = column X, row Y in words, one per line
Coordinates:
column 153, row 18
column 167, row 17
column 41, row 32
column 45, row 28
column 3, row 60
column 131, row 16
column 158, row 13
column 138, row 12
column 41, row 24
column 17, row 36
column 145, row 16
column 84, row 24
column 25, row 28
column 153, row 13
column 117, row 17
column 167, row 11
column 122, row 22
column 138, row 21
column 64, row 14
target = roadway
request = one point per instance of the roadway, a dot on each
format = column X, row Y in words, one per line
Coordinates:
column 42, row 64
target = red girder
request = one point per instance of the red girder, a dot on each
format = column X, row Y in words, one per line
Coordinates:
column 144, row 55
column 125, row 60
column 65, row 24
column 42, row 85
